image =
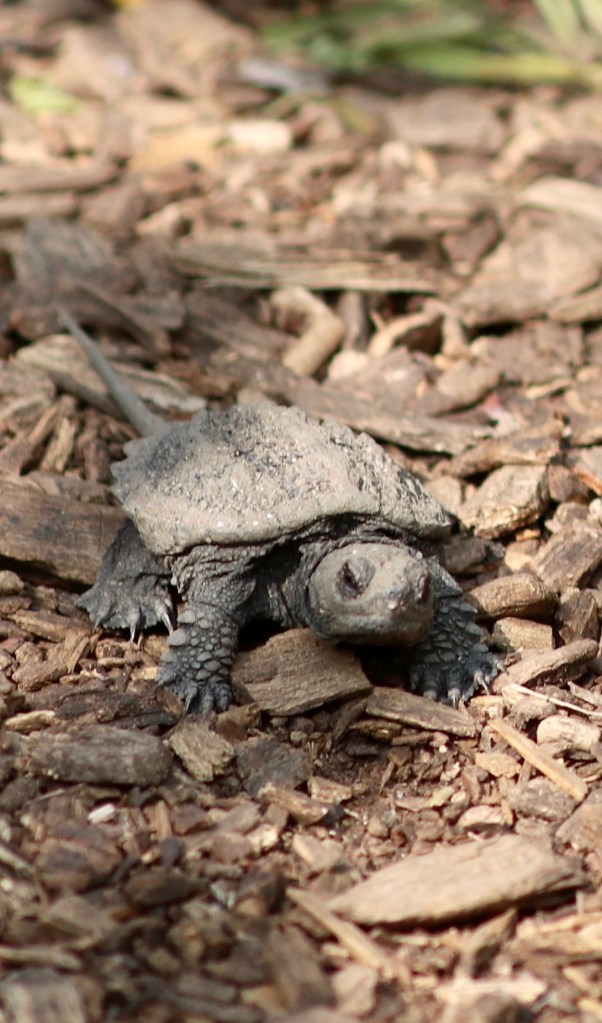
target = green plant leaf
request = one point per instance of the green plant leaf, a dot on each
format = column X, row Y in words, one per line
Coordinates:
column 592, row 16
column 37, row 96
column 548, row 40
column 562, row 19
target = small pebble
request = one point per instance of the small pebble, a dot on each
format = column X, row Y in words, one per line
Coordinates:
column 10, row 584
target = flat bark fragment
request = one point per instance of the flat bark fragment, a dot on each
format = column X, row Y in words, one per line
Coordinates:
column 223, row 265
column 456, row 882
column 296, row 671
column 17, row 180
column 399, row 705
column 42, row 995
column 460, row 387
column 521, row 634
column 554, row 666
column 522, row 593
column 99, row 754
column 302, row 808
column 417, row 432
column 203, row 752
column 577, row 616
column 75, row 856
column 529, row 270
column 535, row 446
column 583, row 830
column 586, row 463
column 560, row 734
column 570, row 556
column 296, row 970
column 511, row 497
column 67, row 538
column 263, row 760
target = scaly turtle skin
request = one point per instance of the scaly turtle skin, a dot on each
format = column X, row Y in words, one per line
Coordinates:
column 262, row 512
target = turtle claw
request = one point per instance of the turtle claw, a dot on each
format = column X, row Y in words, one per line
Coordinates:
column 454, row 682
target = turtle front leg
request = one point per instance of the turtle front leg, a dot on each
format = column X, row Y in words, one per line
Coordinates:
column 452, row 661
column 132, row 587
column 196, row 665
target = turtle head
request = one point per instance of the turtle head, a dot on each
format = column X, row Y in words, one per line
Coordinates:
column 379, row 594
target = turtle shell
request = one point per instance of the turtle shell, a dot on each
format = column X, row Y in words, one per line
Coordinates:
column 259, row 472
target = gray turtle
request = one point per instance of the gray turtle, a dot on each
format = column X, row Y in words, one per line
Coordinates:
column 262, row 512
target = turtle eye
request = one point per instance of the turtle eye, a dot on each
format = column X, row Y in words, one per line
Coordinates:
column 354, row 576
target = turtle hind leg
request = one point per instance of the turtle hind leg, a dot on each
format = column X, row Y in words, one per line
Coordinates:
column 132, row 588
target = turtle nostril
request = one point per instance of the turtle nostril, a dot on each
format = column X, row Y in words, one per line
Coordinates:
column 423, row 590
column 414, row 594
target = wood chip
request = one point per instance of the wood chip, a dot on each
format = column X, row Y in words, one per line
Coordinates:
column 264, row 760
column 55, row 179
column 510, row 498
column 10, row 583
column 76, row 856
column 522, row 593
column 498, row 764
column 322, row 333
column 531, row 268
column 563, row 195
column 319, row 855
column 160, row 887
column 330, row 271
column 535, row 446
column 484, row 942
column 459, row 387
column 48, row 625
column 295, row 671
column 356, row 990
column 356, row 943
column 329, row 791
column 557, row 666
column 566, row 779
column 484, row 820
column 445, row 119
column 31, row 721
column 561, row 735
column 42, row 523
column 61, row 660
column 568, row 558
column 521, row 634
column 578, row 616
column 587, row 467
column 101, row 753
column 301, row 807
column 456, row 882
column 417, row 432
column 540, row 799
column 398, row 705
column 583, row 830
column 296, row 970
column 42, row 995
column 203, row 753
column 486, row 1001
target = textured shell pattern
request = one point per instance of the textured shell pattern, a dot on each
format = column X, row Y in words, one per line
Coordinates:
column 257, row 473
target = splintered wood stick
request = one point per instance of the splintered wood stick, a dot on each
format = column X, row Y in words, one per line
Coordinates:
column 562, row 776
column 356, row 943
column 323, row 331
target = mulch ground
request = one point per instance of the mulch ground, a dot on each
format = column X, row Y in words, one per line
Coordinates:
column 426, row 266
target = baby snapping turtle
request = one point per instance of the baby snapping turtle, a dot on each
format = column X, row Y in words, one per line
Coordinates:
column 262, row 512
